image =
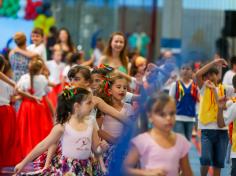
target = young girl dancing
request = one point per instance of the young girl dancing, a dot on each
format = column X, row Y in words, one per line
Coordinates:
column 8, row 123
column 160, row 151
column 76, row 132
column 115, row 90
column 34, row 119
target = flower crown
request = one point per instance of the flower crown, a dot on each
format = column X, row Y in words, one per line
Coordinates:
column 69, row 91
column 104, row 66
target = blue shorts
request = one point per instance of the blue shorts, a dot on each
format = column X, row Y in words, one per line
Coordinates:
column 214, row 146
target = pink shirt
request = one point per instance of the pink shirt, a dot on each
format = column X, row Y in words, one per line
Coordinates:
column 113, row 126
column 153, row 156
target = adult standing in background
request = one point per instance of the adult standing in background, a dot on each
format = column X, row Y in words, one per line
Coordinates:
column 64, row 43
column 115, row 53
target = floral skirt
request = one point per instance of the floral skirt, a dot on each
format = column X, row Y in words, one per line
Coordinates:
column 63, row 166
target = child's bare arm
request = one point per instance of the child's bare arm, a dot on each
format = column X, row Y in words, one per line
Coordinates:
column 51, row 139
column 204, row 69
column 185, row 166
column 107, row 137
column 107, row 109
column 26, row 53
column 51, row 151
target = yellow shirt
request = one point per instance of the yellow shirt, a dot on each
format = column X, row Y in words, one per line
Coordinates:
column 208, row 106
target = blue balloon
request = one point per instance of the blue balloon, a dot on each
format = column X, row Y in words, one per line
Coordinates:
column 39, row 10
column 48, row 13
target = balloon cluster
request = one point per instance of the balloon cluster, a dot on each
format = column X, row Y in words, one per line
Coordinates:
column 36, row 10
column 44, row 20
column 31, row 9
column 20, row 8
column 9, row 8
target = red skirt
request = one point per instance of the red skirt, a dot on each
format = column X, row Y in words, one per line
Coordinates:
column 52, row 96
column 8, row 146
column 34, row 122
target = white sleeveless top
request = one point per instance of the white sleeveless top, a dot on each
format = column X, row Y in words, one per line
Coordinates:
column 77, row 144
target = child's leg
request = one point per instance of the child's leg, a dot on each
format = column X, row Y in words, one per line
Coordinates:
column 220, row 149
column 188, row 126
column 233, row 168
column 206, row 151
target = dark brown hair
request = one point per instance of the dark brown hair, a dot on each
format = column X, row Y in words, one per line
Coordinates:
column 158, row 102
column 38, row 31
column 103, row 93
column 84, row 71
column 123, row 53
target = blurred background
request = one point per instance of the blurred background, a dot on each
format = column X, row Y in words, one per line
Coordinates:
column 200, row 27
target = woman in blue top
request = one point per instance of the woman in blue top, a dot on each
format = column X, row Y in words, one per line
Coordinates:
column 115, row 52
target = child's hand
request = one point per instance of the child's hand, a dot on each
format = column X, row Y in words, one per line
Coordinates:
column 210, row 84
column 220, row 62
column 18, row 168
column 222, row 102
column 155, row 172
column 37, row 99
column 104, row 145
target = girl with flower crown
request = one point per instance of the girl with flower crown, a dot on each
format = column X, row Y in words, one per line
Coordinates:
column 34, row 119
column 114, row 91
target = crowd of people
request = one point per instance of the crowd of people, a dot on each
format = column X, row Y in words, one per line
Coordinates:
column 67, row 115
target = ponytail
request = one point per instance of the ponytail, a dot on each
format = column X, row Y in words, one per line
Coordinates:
column 35, row 67
column 66, row 101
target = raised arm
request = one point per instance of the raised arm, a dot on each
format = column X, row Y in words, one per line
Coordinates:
column 107, row 109
column 204, row 69
column 51, row 139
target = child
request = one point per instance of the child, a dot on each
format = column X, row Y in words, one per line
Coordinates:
column 114, row 92
column 185, row 93
column 77, row 134
column 55, row 68
column 80, row 76
column 160, row 151
column 71, row 60
column 38, row 45
column 213, row 139
column 228, row 110
column 8, row 127
column 227, row 80
column 34, row 119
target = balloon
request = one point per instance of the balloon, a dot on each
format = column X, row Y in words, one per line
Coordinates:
column 39, row 10
column 49, row 23
column 48, row 13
